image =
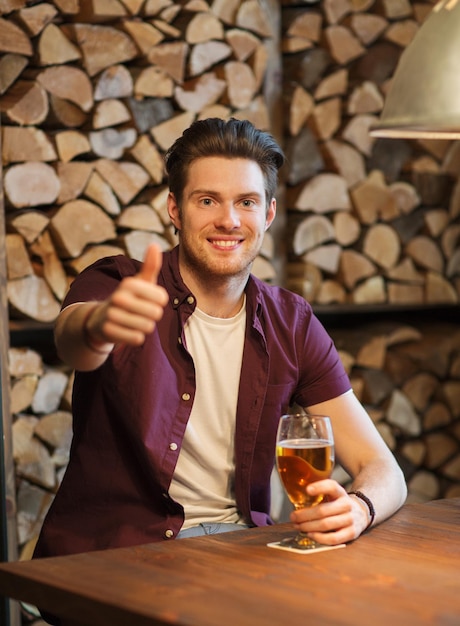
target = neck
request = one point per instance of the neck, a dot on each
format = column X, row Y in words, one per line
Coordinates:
column 220, row 309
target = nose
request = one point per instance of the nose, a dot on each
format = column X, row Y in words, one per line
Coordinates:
column 228, row 217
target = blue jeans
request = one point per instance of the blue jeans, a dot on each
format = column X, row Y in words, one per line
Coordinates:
column 209, row 529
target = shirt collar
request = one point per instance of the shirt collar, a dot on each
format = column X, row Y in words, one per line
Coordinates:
column 170, row 275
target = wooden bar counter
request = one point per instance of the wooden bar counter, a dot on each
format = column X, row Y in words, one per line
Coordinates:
column 404, row 572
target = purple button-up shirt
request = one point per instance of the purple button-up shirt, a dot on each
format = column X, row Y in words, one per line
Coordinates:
column 130, row 414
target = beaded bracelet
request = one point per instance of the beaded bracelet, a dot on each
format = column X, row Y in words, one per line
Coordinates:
column 370, row 506
column 86, row 334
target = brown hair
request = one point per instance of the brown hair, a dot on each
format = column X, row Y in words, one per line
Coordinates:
column 231, row 139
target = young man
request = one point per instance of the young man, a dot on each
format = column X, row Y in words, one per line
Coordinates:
column 185, row 363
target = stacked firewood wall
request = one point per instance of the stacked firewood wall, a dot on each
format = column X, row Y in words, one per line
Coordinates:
column 93, row 92
column 369, row 221
column 408, row 377
column 375, row 223
column 91, row 95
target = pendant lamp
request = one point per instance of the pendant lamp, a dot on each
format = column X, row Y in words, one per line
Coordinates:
column 424, row 96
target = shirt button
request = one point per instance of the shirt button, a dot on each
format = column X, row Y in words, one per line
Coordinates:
column 173, row 446
column 185, row 396
column 176, row 301
column 179, row 340
column 190, row 299
column 169, row 533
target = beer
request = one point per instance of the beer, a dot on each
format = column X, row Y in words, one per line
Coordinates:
column 301, row 462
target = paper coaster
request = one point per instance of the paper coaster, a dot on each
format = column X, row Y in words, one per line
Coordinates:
column 278, row 546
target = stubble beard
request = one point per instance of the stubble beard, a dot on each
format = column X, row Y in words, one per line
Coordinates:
column 209, row 269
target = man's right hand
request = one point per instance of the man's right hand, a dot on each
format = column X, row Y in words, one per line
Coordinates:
column 134, row 308
column 86, row 332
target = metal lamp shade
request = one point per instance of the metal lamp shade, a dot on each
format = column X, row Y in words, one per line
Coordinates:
column 424, row 96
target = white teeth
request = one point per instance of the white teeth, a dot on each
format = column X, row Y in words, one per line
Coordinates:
column 225, row 244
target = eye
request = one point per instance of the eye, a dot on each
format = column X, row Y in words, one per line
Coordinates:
column 247, row 203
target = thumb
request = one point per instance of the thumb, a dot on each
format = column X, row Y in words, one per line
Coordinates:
column 152, row 264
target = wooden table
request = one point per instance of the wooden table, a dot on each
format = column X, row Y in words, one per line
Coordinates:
column 404, row 572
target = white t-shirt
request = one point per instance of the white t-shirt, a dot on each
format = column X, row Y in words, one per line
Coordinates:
column 204, row 475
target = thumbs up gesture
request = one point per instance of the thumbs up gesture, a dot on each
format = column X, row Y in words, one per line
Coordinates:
column 134, row 308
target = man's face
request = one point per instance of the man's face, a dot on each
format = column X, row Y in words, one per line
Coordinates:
column 223, row 217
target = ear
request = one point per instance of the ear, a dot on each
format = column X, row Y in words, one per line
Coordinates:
column 173, row 211
column 270, row 214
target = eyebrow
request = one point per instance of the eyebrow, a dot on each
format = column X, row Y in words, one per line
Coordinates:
column 211, row 192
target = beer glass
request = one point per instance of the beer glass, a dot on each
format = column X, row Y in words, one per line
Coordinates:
column 304, row 454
